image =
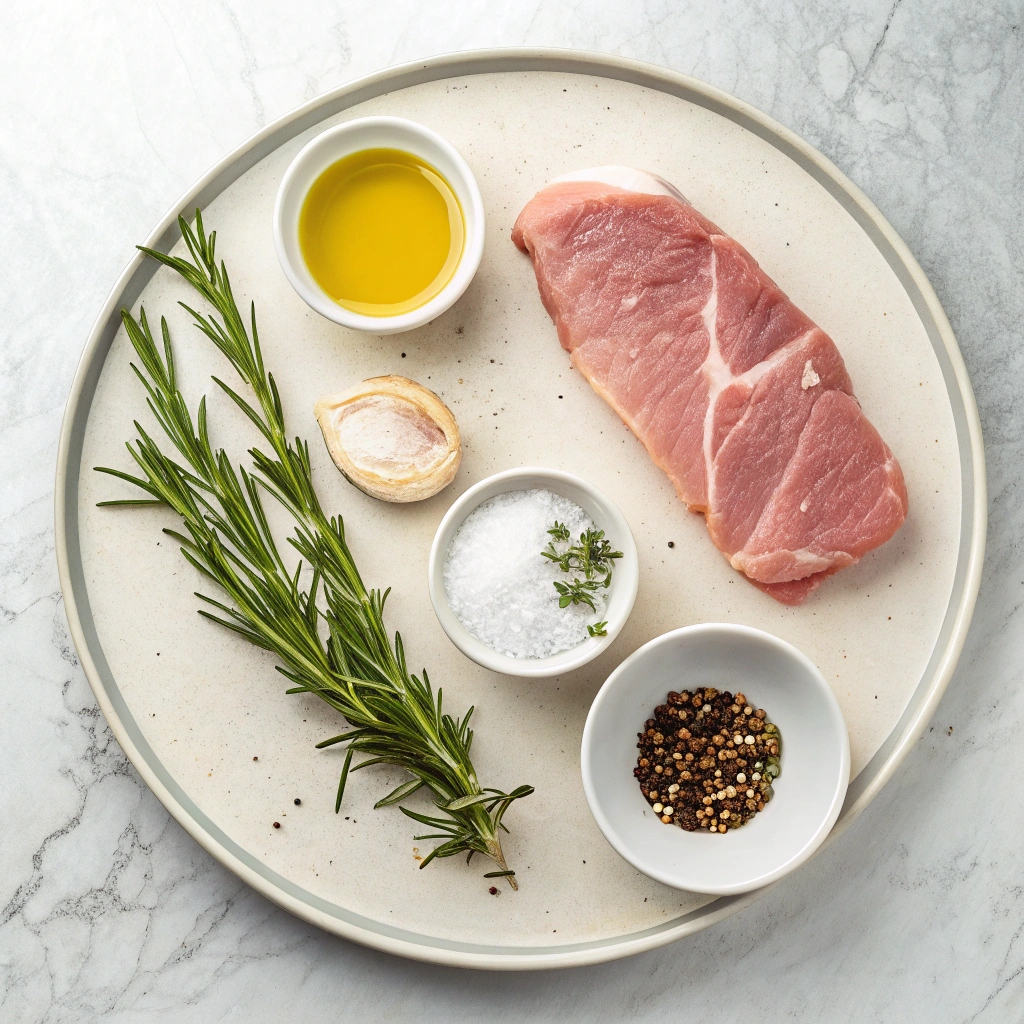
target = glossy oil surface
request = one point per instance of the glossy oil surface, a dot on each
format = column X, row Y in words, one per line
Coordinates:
column 381, row 231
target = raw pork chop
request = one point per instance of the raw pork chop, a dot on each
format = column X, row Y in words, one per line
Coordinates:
column 736, row 394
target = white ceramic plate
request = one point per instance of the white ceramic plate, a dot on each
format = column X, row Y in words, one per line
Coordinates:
column 192, row 706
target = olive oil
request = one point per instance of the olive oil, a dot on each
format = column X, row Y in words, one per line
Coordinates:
column 381, row 231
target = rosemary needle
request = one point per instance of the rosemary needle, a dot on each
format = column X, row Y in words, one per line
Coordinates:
column 329, row 638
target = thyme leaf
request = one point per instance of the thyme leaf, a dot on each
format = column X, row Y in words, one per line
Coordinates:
column 577, row 592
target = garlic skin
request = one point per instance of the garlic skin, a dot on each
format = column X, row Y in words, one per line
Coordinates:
column 392, row 438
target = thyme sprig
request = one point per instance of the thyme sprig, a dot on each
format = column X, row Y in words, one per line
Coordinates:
column 578, row 592
column 329, row 637
column 592, row 556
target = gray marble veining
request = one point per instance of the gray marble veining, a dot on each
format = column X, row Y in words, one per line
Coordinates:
column 107, row 908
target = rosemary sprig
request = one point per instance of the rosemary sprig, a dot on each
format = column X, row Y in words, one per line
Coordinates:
column 592, row 556
column 395, row 716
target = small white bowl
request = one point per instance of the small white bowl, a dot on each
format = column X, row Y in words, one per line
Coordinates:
column 351, row 137
column 621, row 593
column 809, row 793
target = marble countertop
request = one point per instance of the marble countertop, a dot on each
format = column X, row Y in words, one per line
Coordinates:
column 108, row 910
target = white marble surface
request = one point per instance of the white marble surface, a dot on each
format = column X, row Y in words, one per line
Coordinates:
column 108, row 910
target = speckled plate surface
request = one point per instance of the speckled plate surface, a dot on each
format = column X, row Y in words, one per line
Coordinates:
column 194, row 707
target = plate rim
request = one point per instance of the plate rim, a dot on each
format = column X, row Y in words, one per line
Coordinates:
column 132, row 281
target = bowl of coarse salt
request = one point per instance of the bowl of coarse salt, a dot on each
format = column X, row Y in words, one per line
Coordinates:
column 533, row 572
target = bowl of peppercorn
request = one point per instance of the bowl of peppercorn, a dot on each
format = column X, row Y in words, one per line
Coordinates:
column 716, row 758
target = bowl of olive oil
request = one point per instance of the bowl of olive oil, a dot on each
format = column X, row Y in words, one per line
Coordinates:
column 379, row 224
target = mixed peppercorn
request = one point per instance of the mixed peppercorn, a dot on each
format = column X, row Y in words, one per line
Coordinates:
column 707, row 760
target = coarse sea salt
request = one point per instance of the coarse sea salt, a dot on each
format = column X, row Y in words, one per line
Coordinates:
column 499, row 586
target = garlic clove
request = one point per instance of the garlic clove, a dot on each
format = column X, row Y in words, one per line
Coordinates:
column 392, row 438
